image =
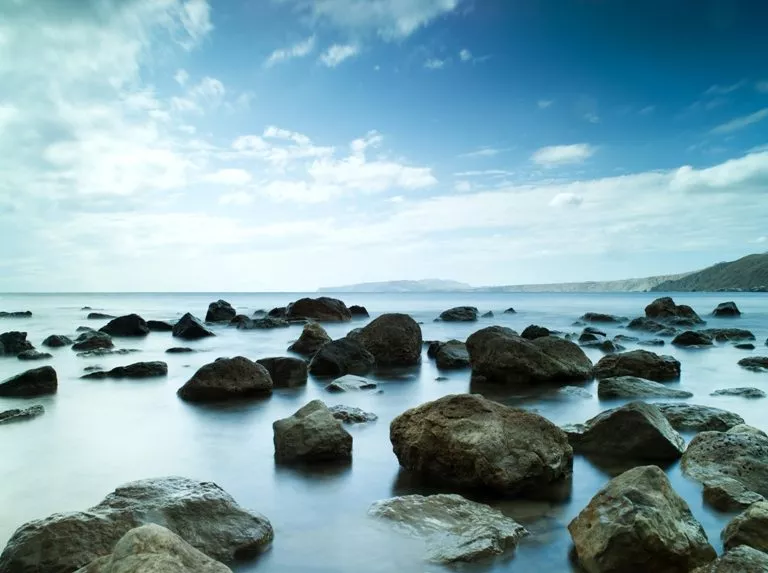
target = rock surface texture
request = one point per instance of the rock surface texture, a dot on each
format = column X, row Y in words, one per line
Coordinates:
column 227, row 378
column 312, row 434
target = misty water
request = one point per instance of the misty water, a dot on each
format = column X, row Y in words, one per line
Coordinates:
column 96, row 435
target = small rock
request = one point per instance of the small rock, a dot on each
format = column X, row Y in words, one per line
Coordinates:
column 179, row 350
column 129, row 325
column 640, row 363
column 86, row 308
column 441, row 379
column 159, row 326
column 312, row 434
column 488, row 314
column 352, row 415
column 57, row 341
column 99, row 352
column 692, row 338
column 729, row 334
column 313, row 337
column 726, row 309
column 633, row 387
column 459, row 314
column 93, row 340
column 741, row 559
column 350, row 383
column 358, row 311
column 34, row 355
column 652, row 342
column 749, row 528
column 259, row 313
column 17, row 415
column 744, row 346
column 603, row 318
column 755, row 363
column 692, row 417
column 646, row 325
column 340, row 357
column 35, row 382
column 220, row 311
column 286, row 372
column 534, row 331
column 625, row 338
column 135, row 371
column 190, row 328
column 99, row 316
column 84, row 329
column 743, row 392
column 510, row 310
column 605, row 346
column 227, row 378
column 263, row 324
column 593, row 330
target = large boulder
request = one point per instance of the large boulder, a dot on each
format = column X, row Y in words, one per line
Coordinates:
column 465, row 440
column 220, row 311
column 602, row 318
column 453, row 528
column 696, row 418
column 665, row 309
column 313, row 337
column 136, row 370
column 393, row 340
column 640, row 363
column 340, row 357
column 636, row 431
column 227, row 378
column 726, row 309
column 729, row 334
column 741, row 559
column 633, row 387
column 498, row 355
column 154, row 549
column 749, row 528
column 312, row 434
column 93, row 340
column 286, row 372
column 452, row 355
column 322, row 309
column 534, row 331
column 201, row 513
column 128, row 325
column 459, row 314
column 35, row 382
column 19, row 414
column 57, row 341
column 692, row 338
column 755, row 363
column 638, row 523
column 14, row 343
column 189, row 327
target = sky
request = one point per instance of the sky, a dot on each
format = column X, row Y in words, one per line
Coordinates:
column 285, row 145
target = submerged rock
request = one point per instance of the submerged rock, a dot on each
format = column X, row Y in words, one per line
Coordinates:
column 637, row 522
column 340, row 357
column 599, row 317
column 16, row 314
column 34, row 355
column 265, row 323
column 350, row 383
column 99, row 316
column 220, row 311
column 129, row 325
column 640, row 363
column 692, row 338
column 534, row 331
column 313, row 337
column 286, row 372
column 159, row 326
column 692, row 417
column 312, row 434
column 179, row 350
column 14, row 343
column 744, row 346
column 633, row 387
column 755, row 363
column 454, row 528
column 135, row 370
column 452, row 355
column 749, row 528
column 741, row 559
column 99, row 352
column 189, row 327
column 468, row 441
column 393, row 339
column 726, row 309
column 743, row 392
column 57, row 341
column 728, row 334
column 652, row 342
column 665, row 309
column 227, row 378
column 200, row 512
column 93, row 340
column 510, row 310
column 488, row 314
column 35, row 382
column 18, row 414
column 459, row 314
column 322, row 309
column 352, row 415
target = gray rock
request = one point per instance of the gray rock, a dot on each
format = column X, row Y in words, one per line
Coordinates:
column 129, row 325
column 93, row 340
column 99, row 316
column 286, row 372
column 468, row 441
column 749, row 528
column 488, row 314
column 201, row 513
column 755, row 363
column 312, row 434
column 135, row 371
column 633, row 387
column 358, row 311
column 727, row 494
column 692, row 417
column 692, row 338
column 728, row 334
column 746, row 429
column 534, row 331
column 159, row 326
column 220, row 311
column 313, row 338
column 459, row 314
column 601, row 318
column 265, row 323
column 625, row 338
column 738, row 560
column 34, row 355
column 99, row 352
column 744, row 346
column 452, row 355
column 35, row 382
column 350, row 383
column 605, row 346
column 640, row 363
column 637, row 522
column 726, row 309
column 241, row 321
column 665, row 309
column 341, row 357
column 189, row 327
column 352, row 415
column 743, row 392
column 179, row 350
column 57, row 341
column 510, row 310
column 652, row 342
column 453, row 528
column 589, row 337
column 646, row 325
column 17, row 414
column 393, row 339
column 322, row 309
column 227, row 378
column 16, row 314
column 14, row 343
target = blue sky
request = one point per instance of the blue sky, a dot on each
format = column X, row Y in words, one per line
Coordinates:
column 290, row 144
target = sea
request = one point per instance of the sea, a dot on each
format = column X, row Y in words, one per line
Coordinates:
column 97, row 435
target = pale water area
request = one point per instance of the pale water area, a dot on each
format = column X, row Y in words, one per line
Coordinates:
column 96, row 435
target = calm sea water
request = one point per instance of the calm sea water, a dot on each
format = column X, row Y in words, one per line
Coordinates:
column 96, row 435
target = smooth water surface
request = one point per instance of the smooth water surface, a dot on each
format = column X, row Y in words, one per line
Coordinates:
column 96, row 435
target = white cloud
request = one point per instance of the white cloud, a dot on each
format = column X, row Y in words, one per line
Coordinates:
column 298, row 50
column 741, row 122
column 566, row 200
column 544, row 103
column 277, row 147
column 435, row 64
column 555, row 155
column 760, row 240
column 337, row 53
column 209, row 91
column 725, row 89
column 229, row 176
column 483, row 152
column 485, row 173
column 749, row 173
column 465, row 55
column 181, row 77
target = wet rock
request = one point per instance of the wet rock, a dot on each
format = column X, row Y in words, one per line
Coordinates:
column 605, row 346
column 278, row 312
column 692, row 338
column 14, row 343
column 593, row 330
column 84, row 329
column 588, row 337
column 352, row 415
column 154, row 549
column 728, row 334
column 726, row 309
column 453, row 528
column 726, row 494
column 467, row 441
column 393, row 339
column 350, row 383
column 16, row 314
column 129, row 325
column 220, row 311
column 755, row 363
column 35, row 382
column 259, row 313
column 749, row 528
column 488, row 314
column 34, row 355
column 601, row 318
column 340, row 357
column 574, row 391
column 227, row 378
column 179, row 350
column 741, row 559
column 626, row 339
column 695, row 418
column 322, row 309
column 648, row 325
column 159, row 326
column 744, row 346
column 640, row 363
column 99, row 316
column 746, row 429
column 93, row 340
column 452, row 355
column 86, row 308
column 312, row 434
column 637, row 431
column 652, row 342
column 189, row 327
column 637, row 522
column 534, row 331
column 665, row 309
column 18, row 414
column 743, row 392
column 286, row 372
column 633, row 387
column 99, row 352
column 313, row 337
column 263, row 324
column 57, row 341
column 241, row 321
column 510, row 310
column 459, row 314
column 200, row 512
column 498, row 355
column 135, row 371
column 358, row 311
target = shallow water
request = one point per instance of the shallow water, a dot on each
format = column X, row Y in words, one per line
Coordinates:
column 96, row 435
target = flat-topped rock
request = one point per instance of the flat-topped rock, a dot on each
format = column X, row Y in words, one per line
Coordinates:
column 20, row 414
column 266, row 323
column 179, row 350
column 35, row 382
column 189, row 327
column 99, row 316
column 285, row 371
column 743, row 392
column 459, row 314
column 696, row 418
column 16, row 314
column 352, row 415
column 728, row 334
column 602, row 318
column 128, row 325
column 755, row 363
column 633, row 387
column 93, row 340
column 340, row 357
column 322, row 309
column 227, row 378
column 350, row 383
column 639, row 363
column 136, row 370
column 312, row 434
column 220, row 311
column 28, row 355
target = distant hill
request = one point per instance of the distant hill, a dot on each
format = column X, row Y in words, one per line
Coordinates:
column 747, row 273
column 626, row 285
column 426, row 285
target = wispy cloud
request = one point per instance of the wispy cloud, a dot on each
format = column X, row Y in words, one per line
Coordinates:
column 485, row 173
column 465, row 55
column 483, row 152
column 298, row 50
column 741, row 122
column 762, row 86
column 181, row 77
column 435, row 64
column 555, row 155
column 592, row 117
column 337, row 53
column 566, row 200
column 718, row 89
column 544, row 103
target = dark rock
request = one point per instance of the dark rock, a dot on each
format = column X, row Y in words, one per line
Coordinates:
column 624, row 338
column 92, row 368
column 692, row 417
column 34, row 355
column 313, row 337
column 741, row 559
column 263, row 324
column 220, row 311
column 744, row 346
column 441, row 379
column 500, row 356
column 239, row 319
column 340, row 357
column 640, row 363
column 692, row 338
column 179, row 350
column 743, row 392
column 159, row 326
column 593, row 330
column 261, row 313
column 129, row 325
column 452, row 355
column 755, row 363
column 432, row 347
column 322, row 309
column 286, row 372
column 57, row 341
column 352, row 415
column 199, row 512
column 469, row 442
column 749, row 528
column 86, row 308
column 16, row 314
column 459, row 314
column 534, row 331
column 35, row 382
column 488, row 314
column 190, row 328
column 728, row 334
column 510, row 310
column 98, row 352
column 17, row 414
column 726, row 494
column 666, row 310
column 135, row 370
column 278, row 312
column 350, row 383
column 603, row 318
column 227, row 378
column 393, row 340
column 93, row 340
column 652, row 342
column 84, row 329
column 606, row 346
column 632, row 387
column 99, row 316
column 726, row 309
column 14, row 343
column 588, row 337
column 312, row 434
column 358, row 311
column 647, row 325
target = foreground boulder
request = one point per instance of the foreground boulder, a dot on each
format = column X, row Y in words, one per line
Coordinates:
column 692, row 338
column 159, row 326
column 220, row 311
column 322, row 309
column 467, row 441
column 637, row 522
column 341, row 357
column 35, row 382
column 312, row 434
column 286, row 372
column 227, row 378
column 635, row 431
column 312, row 338
column 498, row 355
column 189, row 327
column 755, row 363
column 726, row 309
column 692, row 417
column 633, row 387
column 393, row 339
column 640, row 363
column 154, row 549
column 93, row 340
column 665, row 309
column 452, row 355
column 741, row 559
column 459, row 314
column 14, row 343
column 200, row 512
column 136, row 370
column 18, row 414
column 57, row 341
column 454, row 528
column 352, row 415
column 601, row 318
column 129, row 325
column 749, row 528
